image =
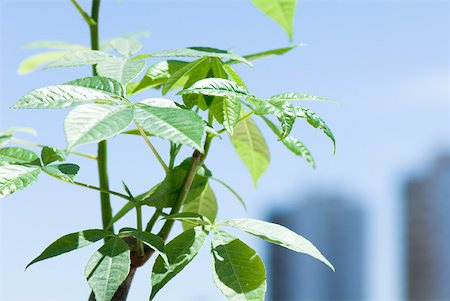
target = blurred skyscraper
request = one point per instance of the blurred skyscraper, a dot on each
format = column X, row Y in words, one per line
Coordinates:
column 428, row 233
column 337, row 227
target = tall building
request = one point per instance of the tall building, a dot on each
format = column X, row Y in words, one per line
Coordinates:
column 428, row 233
column 336, row 227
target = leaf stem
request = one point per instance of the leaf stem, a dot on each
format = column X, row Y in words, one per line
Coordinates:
column 153, row 220
column 197, row 161
column 86, row 17
column 28, row 143
column 118, row 194
column 155, row 152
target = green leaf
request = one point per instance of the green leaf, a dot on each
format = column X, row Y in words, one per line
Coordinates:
column 108, row 268
column 181, row 76
column 122, row 70
column 197, row 52
column 51, row 154
column 191, row 217
column 251, row 147
column 70, row 242
column 167, row 192
column 126, row 47
column 282, row 11
column 239, row 272
column 61, row 96
column 263, row 54
column 217, row 87
column 234, row 76
column 156, row 75
column 35, row 61
column 17, row 155
column 8, row 134
column 16, row 177
column 284, row 110
column 177, row 125
column 231, row 113
column 279, row 235
column 55, row 45
column 293, row 144
column 180, row 252
column 93, row 123
column 4, row 139
column 81, row 58
column 317, row 122
column 65, row 172
column 100, row 83
column 296, row 96
column 204, row 204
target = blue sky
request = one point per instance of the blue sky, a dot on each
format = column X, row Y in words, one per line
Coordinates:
column 387, row 63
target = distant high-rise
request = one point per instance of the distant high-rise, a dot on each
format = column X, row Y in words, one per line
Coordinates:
column 337, row 228
column 428, row 233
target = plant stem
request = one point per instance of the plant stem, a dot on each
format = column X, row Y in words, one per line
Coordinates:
column 197, row 161
column 28, row 143
column 102, row 151
column 140, row 246
column 153, row 220
column 155, row 152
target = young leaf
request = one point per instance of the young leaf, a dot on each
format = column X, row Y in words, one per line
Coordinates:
column 108, row 268
column 50, row 154
column 174, row 124
column 104, row 84
column 17, row 155
column 65, row 172
column 231, row 113
column 122, row 70
column 279, row 235
column 198, row 52
column 251, row 147
column 181, row 76
column 282, row 11
column 61, row 96
column 239, row 272
column 70, row 242
column 295, row 96
column 126, row 47
column 204, row 204
column 317, row 122
column 81, row 58
column 93, row 123
column 35, row 61
column 293, row 144
column 217, row 87
column 180, row 252
column 16, row 177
